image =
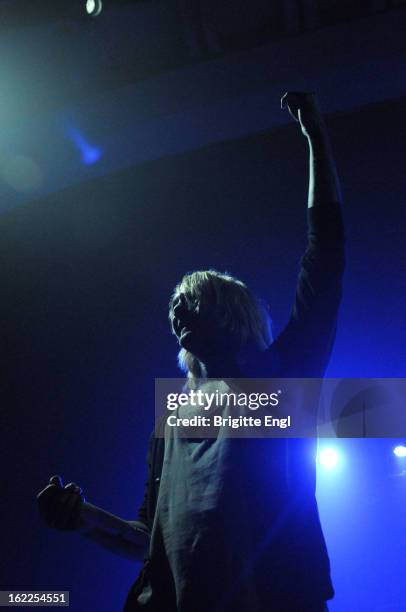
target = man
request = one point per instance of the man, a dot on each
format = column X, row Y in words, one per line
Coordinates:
column 233, row 524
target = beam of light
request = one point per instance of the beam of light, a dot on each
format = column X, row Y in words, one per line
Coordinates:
column 89, row 153
column 94, row 7
column 328, row 458
column 400, row 451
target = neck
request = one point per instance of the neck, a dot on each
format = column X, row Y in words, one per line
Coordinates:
column 222, row 367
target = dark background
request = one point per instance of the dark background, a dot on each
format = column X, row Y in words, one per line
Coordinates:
column 87, row 273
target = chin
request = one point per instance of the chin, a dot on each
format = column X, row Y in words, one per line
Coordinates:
column 190, row 344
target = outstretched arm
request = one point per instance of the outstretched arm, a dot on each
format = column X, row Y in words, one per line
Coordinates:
column 128, row 539
column 64, row 508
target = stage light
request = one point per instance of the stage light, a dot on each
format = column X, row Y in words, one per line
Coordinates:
column 88, row 152
column 400, row 451
column 94, row 7
column 328, row 458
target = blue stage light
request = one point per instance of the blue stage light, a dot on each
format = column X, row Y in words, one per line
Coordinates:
column 328, row 458
column 89, row 153
column 400, row 451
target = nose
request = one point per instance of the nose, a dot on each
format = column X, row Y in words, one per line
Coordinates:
column 180, row 305
column 181, row 313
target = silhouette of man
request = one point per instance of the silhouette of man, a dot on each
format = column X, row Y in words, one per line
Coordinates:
column 230, row 524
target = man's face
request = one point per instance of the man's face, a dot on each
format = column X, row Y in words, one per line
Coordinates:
column 199, row 327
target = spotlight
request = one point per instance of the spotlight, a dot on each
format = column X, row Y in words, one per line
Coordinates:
column 94, row 7
column 328, row 458
column 400, row 451
column 89, row 153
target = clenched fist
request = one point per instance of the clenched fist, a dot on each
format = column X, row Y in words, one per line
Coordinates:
column 60, row 506
column 304, row 107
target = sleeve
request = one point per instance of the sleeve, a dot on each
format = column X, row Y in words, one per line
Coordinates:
column 143, row 513
column 303, row 348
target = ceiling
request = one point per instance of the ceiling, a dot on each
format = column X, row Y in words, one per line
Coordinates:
column 82, row 97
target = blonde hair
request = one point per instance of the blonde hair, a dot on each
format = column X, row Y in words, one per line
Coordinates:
column 241, row 313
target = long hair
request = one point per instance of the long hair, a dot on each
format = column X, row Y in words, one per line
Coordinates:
column 240, row 312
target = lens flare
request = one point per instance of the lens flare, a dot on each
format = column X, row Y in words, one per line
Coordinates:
column 328, row 458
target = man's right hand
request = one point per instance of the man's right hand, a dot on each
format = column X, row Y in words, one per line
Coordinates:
column 60, row 506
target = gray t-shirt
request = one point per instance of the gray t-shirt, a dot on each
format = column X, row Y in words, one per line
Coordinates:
column 203, row 520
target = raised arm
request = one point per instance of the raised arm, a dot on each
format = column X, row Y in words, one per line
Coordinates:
column 324, row 186
column 304, row 346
